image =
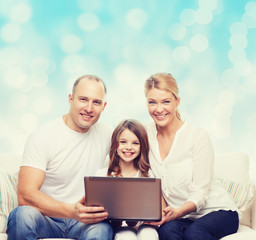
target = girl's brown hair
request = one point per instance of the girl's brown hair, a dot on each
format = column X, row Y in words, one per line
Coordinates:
column 163, row 81
column 141, row 162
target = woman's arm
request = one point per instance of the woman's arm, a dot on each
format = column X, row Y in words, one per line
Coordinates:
column 169, row 213
column 203, row 158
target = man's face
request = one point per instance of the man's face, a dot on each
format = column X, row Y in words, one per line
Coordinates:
column 86, row 105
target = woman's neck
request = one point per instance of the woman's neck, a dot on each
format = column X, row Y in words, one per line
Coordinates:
column 171, row 128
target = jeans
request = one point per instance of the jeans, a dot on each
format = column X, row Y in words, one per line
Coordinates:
column 212, row 226
column 26, row 222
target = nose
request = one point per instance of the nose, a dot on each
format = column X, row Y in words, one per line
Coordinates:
column 89, row 107
column 128, row 146
column 159, row 108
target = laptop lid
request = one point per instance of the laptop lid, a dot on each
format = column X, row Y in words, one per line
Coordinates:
column 125, row 198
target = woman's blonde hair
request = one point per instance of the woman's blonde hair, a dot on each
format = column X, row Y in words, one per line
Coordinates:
column 141, row 162
column 163, row 81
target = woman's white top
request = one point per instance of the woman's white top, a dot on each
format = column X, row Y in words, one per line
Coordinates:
column 187, row 171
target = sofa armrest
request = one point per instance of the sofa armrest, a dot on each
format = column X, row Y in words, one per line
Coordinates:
column 253, row 212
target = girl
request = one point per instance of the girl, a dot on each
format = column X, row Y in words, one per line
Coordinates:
column 129, row 158
column 182, row 156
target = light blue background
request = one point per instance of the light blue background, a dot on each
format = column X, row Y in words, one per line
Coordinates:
column 208, row 46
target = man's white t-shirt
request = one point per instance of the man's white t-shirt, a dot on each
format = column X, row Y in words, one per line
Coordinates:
column 66, row 156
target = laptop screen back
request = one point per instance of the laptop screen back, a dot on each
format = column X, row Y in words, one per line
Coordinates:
column 125, row 198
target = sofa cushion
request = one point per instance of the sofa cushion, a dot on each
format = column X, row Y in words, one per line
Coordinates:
column 242, row 194
column 3, row 236
column 8, row 197
column 246, row 234
column 10, row 162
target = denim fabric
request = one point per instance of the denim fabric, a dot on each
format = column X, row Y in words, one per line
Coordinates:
column 26, row 222
column 212, row 226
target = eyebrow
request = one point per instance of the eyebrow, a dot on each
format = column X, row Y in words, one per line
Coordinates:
column 161, row 99
column 132, row 140
column 93, row 99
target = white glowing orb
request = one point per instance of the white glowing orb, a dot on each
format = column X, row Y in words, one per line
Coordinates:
column 203, row 16
column 42, row 105
column 15, row 77
column 187, row 17
column 177, row 31
column 21, row 13
column 136, row 18
column 238, row 41
column 39, row 64
column 39, row 78
column 181, row 54
column 18, row 101
column 208, row 4
column 238, row 28
column 11, row 32
column 88, row 22
column 71, row 44
column 28, row 121
column 199, row 43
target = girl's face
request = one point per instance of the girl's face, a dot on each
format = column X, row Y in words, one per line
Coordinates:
column 128, row 146
column 162, row 106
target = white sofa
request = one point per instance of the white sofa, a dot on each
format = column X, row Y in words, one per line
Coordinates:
column 232, row 170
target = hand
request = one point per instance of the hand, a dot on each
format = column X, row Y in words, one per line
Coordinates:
column 168, row 214
column 87, row 215
column 171, row 213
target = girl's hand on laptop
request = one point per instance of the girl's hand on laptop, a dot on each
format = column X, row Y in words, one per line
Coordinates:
column 88, row 214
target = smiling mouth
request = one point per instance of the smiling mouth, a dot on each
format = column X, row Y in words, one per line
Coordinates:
column 86, row 117
column 160, row 117
column 127, row 154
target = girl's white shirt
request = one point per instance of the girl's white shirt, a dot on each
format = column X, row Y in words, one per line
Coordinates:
column 103, row 172
column 187, row 171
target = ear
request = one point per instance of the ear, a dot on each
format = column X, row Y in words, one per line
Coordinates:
column 178, row 101
column 70, row 98
column 104, row 105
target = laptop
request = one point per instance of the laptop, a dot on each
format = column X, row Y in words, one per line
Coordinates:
column 125, row 198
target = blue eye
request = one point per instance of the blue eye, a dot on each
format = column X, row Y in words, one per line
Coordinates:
column 97, row 103
column 151, row 102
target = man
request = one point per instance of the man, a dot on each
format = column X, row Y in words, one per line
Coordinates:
column 56, row 158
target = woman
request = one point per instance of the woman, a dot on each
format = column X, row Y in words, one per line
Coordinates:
column 182, row 156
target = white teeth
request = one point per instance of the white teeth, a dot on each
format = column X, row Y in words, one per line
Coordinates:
column 127, row 153
column 86, row 116
column 160, row 116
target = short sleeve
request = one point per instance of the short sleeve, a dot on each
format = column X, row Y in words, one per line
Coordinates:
column 36, row 152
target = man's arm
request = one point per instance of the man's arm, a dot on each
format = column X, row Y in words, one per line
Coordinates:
column 30, row 182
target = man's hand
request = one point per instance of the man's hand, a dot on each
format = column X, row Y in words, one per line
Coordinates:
column 87, row 215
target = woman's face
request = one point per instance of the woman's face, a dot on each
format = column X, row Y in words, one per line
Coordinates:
column 162, row 106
